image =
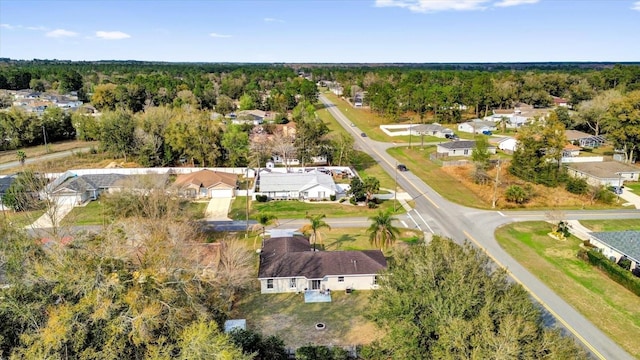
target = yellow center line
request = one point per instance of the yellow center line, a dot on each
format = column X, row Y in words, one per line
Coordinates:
column 537, row 298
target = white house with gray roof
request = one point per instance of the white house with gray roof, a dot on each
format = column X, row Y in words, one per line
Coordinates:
column 477, row 126
column 618, row 244
column 300, row 186
column 71, row 189
column 459, row 148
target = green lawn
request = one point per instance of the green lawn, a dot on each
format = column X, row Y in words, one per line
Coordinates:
column 605, row 303
column 612, row 225
column 293, row 320
column 21, row 218
column 633, row 186
column 293, row 209
column 92, row 213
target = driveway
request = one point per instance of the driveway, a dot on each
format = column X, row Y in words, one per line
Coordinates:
column 55, row 214
column 218, row 209
column 630, row 197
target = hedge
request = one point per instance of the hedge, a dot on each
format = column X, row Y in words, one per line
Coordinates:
column 613, row 270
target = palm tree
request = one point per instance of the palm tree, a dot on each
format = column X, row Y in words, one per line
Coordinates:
column 264, row 220
column 22, row 157
column 503, row 123
column 315, row 224
column 382, row 233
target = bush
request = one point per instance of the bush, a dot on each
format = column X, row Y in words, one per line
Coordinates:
column 372, row 205
column 353, row 201
column 605, row 196
column 262, row 198
column 516, row 194
column 343, row 199
column 332, row 197
column 613, row 270
column 577, row 186
column 319, row 352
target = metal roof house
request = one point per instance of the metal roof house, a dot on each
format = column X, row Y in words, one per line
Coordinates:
column 300, row 186
column 459, row 148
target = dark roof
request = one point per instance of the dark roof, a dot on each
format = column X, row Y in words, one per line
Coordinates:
column 5, row 183
column 460, row 144
column 91, row 182
column 625, row 242
column 291, row 257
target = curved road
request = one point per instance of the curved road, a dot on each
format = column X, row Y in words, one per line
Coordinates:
column 437, row 215
column 52, row 156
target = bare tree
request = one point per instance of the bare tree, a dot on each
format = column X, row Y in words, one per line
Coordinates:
column 282, row 145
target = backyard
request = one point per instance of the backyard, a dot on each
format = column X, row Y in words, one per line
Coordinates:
column 608, row 305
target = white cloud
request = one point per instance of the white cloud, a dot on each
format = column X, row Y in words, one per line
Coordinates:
column 36, row 28
column 112, row 35
column 216, row 35
column 59, row 33
column 505, row 3
column 428, row 6
column 636, row 6
column 7, row 26
column 273, row 20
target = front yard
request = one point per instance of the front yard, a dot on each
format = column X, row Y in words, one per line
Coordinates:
column 608, row 305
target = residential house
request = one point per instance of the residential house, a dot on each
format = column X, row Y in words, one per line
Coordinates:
column 434, row 129
column 617, row 245
column 70, row 189
column 312, row 185
column 459, row 148
column 605, row 173
column 477, row 126
column 520, row 114
column 255, row 117
column 288, row 264
column 560, row 102
column 506, row 144
column 5, row 183
column 583, row 139
column 571, row 150
column 208, row 184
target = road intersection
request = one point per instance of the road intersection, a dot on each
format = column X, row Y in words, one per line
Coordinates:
column 432, row 213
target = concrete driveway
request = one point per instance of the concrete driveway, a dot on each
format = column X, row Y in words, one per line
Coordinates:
column 218, row 209
column 55, row 214
column 630, row 197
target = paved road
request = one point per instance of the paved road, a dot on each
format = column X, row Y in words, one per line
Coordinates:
column 56, row 155
column 434, row 214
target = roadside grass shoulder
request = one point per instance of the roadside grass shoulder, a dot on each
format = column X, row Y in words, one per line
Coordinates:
column 21, row 218
column 612, row 225
column 292, row 209
column 608, row 305
column 35, row 151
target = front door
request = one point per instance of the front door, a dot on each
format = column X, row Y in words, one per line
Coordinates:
column 315, row 284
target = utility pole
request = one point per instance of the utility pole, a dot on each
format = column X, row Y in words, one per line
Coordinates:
column 410, row 131
column 44, row 133
column 246, row 234
column 495, row 186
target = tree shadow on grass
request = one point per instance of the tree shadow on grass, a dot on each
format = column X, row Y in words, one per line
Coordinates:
column 346, row 238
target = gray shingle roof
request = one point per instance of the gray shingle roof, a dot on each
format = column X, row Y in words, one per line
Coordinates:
column 90, row 182
column 294, row 181
column 625, row 242
column 604, row 169
column 460, row 144
column 290, row 257
column 5, row 182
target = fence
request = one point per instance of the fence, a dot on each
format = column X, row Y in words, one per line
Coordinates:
column 437, row 159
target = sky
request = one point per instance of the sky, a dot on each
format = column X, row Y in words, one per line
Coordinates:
column 322, row 31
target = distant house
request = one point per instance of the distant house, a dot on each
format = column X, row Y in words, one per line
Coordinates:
column 506, row 144
column 571, row 150
column 560, row 102
column 477, row 126
column 5, row 183
column 254, row 117
column 208, row 184
column 436, row 130
column 604, row 173
column 583, row 139
column 459, row 148
column 617, row 245
column 300, row 186
column 288, row 264
column 73, row 190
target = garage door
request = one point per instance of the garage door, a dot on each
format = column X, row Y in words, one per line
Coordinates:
column 67, row 200
column 221, row 193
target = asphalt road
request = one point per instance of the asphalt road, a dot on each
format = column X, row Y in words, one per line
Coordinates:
column 52, row 156
column 437, row 215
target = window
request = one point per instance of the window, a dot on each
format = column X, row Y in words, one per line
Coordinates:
column 340, row 278
column 466, row 151
column 292, row 282
column 375, row 280
column 269, row 283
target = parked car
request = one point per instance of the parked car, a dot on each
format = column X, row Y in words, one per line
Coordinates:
column 452, row 136
column 487, row 132
column 401, row 167
column 352, row 124
column 363, row 134
column 616, row 189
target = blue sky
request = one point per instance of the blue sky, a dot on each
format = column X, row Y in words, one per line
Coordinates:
column 322, row 30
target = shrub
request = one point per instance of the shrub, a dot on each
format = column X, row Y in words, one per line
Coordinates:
column 615, row 272
column 372, row 205
column 343, row 199
column 332, row 197
column 577, row 186
column 353, row 201
column 516, row 194
column 262, row 198
column 605, row 196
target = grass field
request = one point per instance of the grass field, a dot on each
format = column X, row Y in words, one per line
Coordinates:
column 22, row 218
column 293, row 320
column 34, row 151
column 298, row 209
column 612, row 225
column 608, row 305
